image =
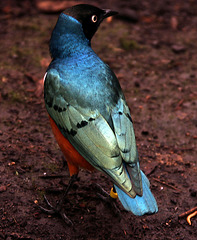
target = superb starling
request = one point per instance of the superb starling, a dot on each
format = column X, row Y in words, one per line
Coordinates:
column 88, row 111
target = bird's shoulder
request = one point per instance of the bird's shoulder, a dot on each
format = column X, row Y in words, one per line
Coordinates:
column 86, row 80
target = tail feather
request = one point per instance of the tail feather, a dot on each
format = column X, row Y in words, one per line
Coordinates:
column 139, row 205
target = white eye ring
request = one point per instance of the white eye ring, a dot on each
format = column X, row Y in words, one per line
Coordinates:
column 94, row 18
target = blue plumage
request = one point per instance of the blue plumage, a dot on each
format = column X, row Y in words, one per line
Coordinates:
column 81, row 88
column 146, row 204
column 67, row 38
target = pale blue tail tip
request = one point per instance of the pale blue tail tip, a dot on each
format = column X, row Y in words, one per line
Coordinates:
column 139, row 205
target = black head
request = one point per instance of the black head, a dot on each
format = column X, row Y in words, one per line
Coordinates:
column 89, row 16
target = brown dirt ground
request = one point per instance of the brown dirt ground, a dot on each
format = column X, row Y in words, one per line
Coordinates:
column 155, row 60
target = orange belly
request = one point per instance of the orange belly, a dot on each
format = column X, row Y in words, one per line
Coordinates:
column 73, row 158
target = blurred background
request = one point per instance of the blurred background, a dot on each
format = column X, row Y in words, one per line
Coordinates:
column 151, row 47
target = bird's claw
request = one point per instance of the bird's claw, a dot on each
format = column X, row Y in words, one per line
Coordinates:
column 66, row 219
column 48, row 203
column 106, row 198
column 100, row 190
column 55, row 210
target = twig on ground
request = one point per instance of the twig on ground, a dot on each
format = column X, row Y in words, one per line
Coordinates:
column 166, row 184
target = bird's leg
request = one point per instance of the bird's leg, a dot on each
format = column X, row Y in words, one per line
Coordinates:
column 58, row 208
column 109, row 198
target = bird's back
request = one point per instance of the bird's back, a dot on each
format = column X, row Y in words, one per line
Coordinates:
column 88, row 82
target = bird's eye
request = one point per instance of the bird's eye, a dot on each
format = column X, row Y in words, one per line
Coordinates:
column 94, row 18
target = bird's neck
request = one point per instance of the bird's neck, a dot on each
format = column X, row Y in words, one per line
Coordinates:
column 68, row 38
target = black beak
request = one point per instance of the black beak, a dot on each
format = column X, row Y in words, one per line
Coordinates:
column 107, row 13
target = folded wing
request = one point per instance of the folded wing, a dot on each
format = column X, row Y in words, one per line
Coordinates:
column 91, row 135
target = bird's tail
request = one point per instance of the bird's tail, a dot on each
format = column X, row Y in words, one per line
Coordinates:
column 139, row 205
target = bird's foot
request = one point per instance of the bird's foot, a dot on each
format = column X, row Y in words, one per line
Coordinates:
column 55, row 210
column 108, row 198
column 58, row 209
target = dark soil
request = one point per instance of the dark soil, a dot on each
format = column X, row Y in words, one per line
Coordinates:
column 152, row 48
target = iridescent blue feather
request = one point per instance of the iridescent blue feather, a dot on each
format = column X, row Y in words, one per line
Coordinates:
column 139, row 205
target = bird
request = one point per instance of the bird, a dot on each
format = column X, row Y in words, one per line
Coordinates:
column 88, row 112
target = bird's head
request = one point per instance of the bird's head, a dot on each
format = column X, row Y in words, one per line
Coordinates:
column 89, row 16
column 75, row 28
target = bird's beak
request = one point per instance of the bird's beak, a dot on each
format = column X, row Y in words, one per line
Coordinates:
column 108, row 13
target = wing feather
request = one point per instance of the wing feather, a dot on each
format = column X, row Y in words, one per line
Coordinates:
column 88, row 132
column 125, row 136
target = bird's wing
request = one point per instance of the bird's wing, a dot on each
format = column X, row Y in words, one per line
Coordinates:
column 123, row 128
column 92, row 137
